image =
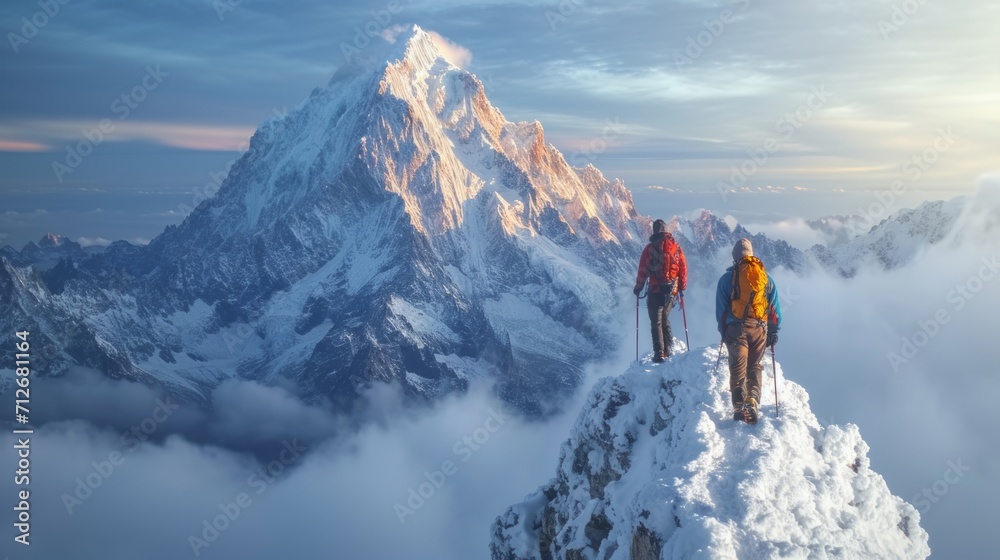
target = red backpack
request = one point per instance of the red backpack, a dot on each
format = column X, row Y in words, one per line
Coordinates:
column 664, row 263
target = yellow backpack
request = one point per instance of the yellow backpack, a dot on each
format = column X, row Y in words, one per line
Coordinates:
column 749, row 289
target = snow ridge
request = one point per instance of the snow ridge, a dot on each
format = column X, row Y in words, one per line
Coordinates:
column 655, row 467
column 895, row 241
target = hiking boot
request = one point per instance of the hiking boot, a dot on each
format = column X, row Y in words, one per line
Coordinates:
column 660, row 358
column 750, row 411
column 738, row 413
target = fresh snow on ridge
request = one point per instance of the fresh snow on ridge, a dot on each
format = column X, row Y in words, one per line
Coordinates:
column 655, row 467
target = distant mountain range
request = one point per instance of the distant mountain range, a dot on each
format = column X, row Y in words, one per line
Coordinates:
column 48, row 251
column 893, row 242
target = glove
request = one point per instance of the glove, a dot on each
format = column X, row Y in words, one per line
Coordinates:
column 772, row 338
column 637, row 290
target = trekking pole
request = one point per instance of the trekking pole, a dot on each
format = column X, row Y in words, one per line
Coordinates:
column 685, row 316
column 774, row 366
column 637, row 327
column 718, row 362
column 637, row 298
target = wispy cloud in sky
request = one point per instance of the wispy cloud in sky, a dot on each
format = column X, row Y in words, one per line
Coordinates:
column 695, row 84
column 21, row 146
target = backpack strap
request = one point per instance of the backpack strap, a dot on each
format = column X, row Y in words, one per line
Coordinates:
column 672, row 257
column 734, row 293
column 655, row 258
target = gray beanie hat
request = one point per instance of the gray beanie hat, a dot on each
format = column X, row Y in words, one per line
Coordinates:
column 743, row 248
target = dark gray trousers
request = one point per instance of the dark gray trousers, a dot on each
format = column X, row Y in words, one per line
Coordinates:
column 659, row 306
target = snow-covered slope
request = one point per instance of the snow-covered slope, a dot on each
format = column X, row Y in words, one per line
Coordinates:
column 895, row 241
column 656, row 468
column 393, row 228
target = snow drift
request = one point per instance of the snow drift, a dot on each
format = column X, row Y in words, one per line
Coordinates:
column 655, row 467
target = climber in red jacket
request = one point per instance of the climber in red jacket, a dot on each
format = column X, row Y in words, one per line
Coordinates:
column 663, row 263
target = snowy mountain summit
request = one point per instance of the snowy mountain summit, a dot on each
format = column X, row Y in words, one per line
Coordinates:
column 393, row 228
column 655, row 468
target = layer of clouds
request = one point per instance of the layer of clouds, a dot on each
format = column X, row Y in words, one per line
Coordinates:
column 274, row 413
column 934, row 408
column 92, row 241
column 106, row 403
column 343, row 494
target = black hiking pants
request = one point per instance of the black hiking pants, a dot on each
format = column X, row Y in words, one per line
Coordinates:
column 746, row 343
column 659, row 305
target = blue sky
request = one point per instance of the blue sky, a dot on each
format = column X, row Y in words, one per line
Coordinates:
column 836, row 98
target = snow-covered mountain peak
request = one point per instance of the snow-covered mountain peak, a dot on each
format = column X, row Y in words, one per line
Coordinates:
column 392, row 227
column 710, row 230
column 655, row 467
column 424, row 130
column 408, row 44
column 51, row 240
column 418, row 49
